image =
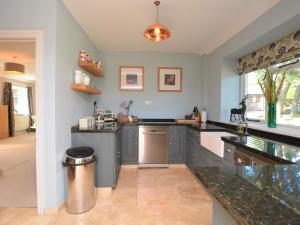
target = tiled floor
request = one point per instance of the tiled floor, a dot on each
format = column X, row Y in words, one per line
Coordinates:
column 143, row 196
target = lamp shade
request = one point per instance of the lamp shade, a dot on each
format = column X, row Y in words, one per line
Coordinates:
column 157, row 32
column 14, row 68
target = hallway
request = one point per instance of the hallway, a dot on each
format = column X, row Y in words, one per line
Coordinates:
column 18, row 179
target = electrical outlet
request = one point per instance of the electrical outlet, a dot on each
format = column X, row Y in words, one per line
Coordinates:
column 148, row 102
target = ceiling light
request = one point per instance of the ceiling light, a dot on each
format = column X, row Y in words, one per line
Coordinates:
column 157, row 31
column 13, row 68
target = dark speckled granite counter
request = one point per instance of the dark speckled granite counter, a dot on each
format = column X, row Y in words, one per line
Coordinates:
column 274, row 150
column 103, row 128
column 268, row 195
column 205, row 127
column 113, row 127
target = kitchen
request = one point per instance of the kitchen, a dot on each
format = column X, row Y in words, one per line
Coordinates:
column 207, row 174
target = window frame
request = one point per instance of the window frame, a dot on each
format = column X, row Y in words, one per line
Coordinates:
column 21, row 114
column 244, row 90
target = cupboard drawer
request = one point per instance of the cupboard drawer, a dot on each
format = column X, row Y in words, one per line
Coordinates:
column 194, row 135
column 229, row 152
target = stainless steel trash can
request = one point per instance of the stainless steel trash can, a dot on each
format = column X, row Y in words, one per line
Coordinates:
column 80, row 164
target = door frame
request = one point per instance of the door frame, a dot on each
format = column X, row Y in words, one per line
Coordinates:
column 37, row 36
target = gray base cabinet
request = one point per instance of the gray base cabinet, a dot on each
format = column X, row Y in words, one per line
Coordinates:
column 192, row 148
column 107, row 147
column 130, row 144
column 177, row 144
column 197, row 155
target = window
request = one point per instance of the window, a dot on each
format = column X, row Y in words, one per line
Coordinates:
column 256, row 103
column 288, row 105
column 20, row 100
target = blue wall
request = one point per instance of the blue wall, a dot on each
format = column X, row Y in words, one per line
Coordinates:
column 62, row 38
column 164, row 104
column 221, row 77
column 40, row 15
column 69, row 105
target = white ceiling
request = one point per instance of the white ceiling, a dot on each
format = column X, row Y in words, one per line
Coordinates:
column 197, row 26
column 24, row 51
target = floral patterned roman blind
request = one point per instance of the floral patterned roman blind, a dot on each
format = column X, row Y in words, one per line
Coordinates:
column 284, row 49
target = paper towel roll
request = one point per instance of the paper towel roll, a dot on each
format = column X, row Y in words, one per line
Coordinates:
column 203, row 116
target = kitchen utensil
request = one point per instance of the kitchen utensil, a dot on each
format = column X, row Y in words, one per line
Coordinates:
column 182, row 121
column 188, row 117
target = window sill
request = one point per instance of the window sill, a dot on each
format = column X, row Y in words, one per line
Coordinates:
column 289, row 131
column 284, row 130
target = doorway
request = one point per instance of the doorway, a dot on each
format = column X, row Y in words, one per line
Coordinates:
column 21, row 176
column 17, row 141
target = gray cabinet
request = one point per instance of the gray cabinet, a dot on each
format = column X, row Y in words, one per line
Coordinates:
column 117, row 165
column 177, row 144
column 130, row 144
column 192, row 156
column 107, row 147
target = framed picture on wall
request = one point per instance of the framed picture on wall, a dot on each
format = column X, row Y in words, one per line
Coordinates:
column 131, row 78
column 169, row 79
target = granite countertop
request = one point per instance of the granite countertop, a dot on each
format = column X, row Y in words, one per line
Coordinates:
column 271, row 149
column 113, row 127
column 259, row 195
column 103, row 128
column 205, row 127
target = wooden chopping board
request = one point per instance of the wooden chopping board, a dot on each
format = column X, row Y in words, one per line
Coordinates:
column 183, row 121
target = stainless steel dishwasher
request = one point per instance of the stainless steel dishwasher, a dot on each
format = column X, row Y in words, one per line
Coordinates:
column 153, row 146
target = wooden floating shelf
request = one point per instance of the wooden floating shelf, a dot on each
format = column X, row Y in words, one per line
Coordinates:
column 85, row 89
column 91, row 68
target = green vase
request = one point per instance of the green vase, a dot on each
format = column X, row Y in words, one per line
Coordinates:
column 272, row 115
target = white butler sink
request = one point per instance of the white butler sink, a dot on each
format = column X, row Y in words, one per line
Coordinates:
column 212, row 141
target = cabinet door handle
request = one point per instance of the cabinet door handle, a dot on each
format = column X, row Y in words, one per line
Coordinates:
column 135, row 143
column 170, row 143
column 228, row 150
column 198, row 135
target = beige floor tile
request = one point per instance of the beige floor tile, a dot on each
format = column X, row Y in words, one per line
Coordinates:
column 124, row 196
column 127, row 182
column 156, row 196
column 22, row 216
column 142, row 197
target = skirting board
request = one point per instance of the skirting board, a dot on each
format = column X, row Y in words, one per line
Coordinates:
column 101, row 193
column 51, row 211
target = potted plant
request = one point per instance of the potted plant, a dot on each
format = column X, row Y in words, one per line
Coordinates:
column 271, row 84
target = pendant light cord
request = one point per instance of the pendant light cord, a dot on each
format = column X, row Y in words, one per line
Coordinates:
column 157, row 3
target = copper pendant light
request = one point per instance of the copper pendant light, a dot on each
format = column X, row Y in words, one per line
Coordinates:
column 13, row 68
column 157, row 31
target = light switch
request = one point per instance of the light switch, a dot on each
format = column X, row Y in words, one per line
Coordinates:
column 148, row 102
